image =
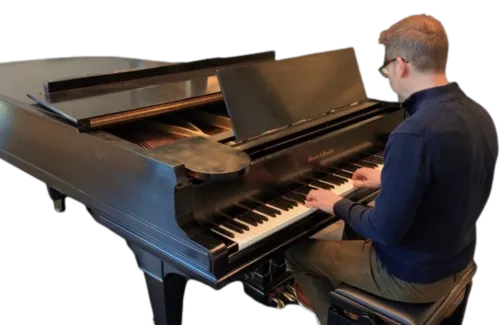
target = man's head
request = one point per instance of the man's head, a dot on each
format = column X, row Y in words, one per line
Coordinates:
column 416, row 51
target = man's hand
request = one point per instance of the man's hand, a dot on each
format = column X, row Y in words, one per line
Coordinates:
column 322, row 199
column 366, row 177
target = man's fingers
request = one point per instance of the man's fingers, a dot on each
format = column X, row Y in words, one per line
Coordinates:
column 358, row 174
column 311, row 195
column 357, row 183
column 311, row 204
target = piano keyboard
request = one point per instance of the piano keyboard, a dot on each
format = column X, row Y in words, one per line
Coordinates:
column 258, row 217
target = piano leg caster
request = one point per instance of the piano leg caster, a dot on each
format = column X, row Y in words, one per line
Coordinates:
column 57, row 200
column 59, row 205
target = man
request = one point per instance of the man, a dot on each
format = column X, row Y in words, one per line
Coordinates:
column 437, row 176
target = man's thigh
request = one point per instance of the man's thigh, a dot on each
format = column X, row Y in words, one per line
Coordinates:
column 341, row 261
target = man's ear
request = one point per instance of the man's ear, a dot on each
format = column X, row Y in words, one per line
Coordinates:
column 402, row 68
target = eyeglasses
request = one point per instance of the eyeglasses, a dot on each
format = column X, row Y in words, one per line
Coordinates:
column 384, row 70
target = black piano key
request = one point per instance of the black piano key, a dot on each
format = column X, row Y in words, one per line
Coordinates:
column 379, row 160
column 232, row 226
column 295, row 196
column 286, row 186
column 283, row 204
column 234, row 210
column 348, row 167
column 279, row 205
column 253, row 205
column 332, row 179
column 304, row 190
column 366, row 164
column 337, row 180
column 217, row 218
column 315, row 174
column 238, row 224
column 322, row 185
column 303, row 196
column 371, row 160
column 342, row 173
column 268, row 211
column 379, row 154
column 302, row 180
column 292, row 202
column 223, row 231
column 255, row 216
column 249, row 204
column 247, row 219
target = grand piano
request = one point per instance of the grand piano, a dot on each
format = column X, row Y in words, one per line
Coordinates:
column 202, row 167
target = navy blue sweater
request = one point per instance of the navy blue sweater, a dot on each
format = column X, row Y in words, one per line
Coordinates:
column 437, row 176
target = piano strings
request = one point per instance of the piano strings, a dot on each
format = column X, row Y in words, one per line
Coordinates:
column 173, row 127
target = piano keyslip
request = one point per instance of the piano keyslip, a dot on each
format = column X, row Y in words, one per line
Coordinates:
column 287, row 204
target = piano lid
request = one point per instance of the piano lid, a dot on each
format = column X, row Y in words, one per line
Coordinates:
column 99, row 100
column 107, row 109
column 270, row 95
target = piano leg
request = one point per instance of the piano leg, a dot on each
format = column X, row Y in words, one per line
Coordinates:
column 166, row 287
column 58, row 198
column 167, row 298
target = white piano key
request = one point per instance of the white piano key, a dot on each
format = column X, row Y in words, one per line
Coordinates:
column 269, row 227
column 280, row 221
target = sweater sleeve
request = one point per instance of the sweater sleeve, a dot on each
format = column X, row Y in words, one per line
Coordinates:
column 403, row 184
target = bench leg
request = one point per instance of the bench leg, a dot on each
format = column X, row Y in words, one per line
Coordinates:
column 458, row 315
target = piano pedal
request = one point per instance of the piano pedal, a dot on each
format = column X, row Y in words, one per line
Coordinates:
column 290, row 297
column 279, row 303
column 290, row 289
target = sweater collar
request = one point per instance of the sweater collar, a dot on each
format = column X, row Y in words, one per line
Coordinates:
column 434, row 94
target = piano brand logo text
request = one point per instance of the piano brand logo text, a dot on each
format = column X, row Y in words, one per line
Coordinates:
column 320, row 155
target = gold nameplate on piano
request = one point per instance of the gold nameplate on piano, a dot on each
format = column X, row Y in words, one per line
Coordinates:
column 153, row 110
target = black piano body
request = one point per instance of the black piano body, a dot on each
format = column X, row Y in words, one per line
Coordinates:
column 201, row 166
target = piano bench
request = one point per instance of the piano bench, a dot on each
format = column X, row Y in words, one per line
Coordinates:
column 368, row 309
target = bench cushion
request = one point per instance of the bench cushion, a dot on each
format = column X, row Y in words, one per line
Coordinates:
column 403, row 313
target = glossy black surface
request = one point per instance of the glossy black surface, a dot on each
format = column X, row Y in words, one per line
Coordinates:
column 275, row 94
column 206, row 159
column 142, row 196
column 281, row 162
column 148, row 198
column 80, row 99
column 66, row 84
column 80, row 110
column 27, row 77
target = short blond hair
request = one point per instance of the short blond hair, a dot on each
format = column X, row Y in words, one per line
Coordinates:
column 420, row 39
